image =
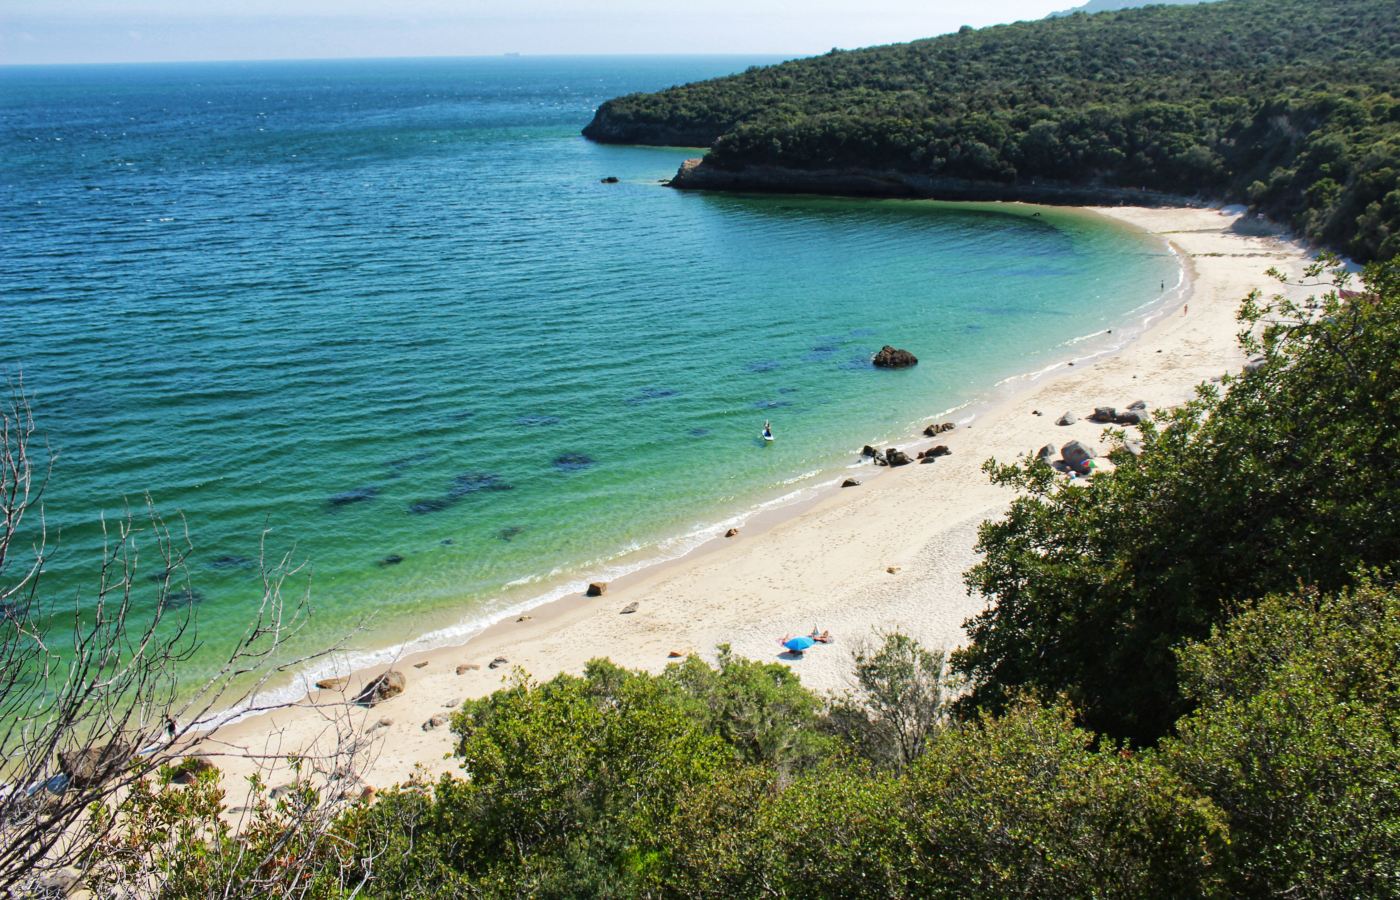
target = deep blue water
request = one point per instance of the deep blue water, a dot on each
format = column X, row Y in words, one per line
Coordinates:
column 387, row 310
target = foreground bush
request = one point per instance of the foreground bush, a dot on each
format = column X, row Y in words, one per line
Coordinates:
column 1287, row 477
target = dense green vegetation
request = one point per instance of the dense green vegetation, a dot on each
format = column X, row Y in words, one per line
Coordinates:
column 1187, row 685
column 1289, row 105
column 1287, row 476
column 730, row 782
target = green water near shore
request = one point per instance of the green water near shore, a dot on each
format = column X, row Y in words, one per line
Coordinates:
column 388, row 311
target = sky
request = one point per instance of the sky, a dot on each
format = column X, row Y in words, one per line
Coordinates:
column 88, row 31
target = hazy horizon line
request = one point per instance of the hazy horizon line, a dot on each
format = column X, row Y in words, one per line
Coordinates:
column 307, row 59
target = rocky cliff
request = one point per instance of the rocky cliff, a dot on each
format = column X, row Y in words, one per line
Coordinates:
column 609, row 127
column 696, row 174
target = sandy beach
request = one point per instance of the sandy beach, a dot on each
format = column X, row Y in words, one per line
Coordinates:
column 888, row 554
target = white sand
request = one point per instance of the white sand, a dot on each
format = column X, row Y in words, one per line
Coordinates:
column 825, row 563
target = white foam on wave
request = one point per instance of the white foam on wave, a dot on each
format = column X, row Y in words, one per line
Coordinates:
column 608, row 568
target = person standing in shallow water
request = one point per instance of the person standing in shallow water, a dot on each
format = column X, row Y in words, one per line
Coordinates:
column 767, row 430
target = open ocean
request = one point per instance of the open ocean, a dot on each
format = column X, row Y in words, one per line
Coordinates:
column 387, row 310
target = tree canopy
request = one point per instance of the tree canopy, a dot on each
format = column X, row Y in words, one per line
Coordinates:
column 1288, row 105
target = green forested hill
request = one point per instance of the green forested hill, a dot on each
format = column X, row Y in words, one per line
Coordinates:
column 1290, row 105
column 1097, row 6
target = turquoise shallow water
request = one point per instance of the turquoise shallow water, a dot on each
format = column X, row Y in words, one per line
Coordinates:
column 388, row 310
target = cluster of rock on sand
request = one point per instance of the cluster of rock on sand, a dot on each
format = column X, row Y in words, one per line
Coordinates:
column 1079, row 458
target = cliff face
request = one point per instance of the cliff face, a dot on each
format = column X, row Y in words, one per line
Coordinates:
column 696, row 174
column 609, row 127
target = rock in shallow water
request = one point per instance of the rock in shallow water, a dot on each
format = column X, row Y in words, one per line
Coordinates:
column 892, row 358
column 572, row 462
column 357, row 495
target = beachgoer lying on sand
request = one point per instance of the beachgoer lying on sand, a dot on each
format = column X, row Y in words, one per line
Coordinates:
column 823, row 637
column 796, row 644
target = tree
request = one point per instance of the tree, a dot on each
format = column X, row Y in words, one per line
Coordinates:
column 898, row 703
column 1285, row 477
column 1297, row 739
column 90, row 705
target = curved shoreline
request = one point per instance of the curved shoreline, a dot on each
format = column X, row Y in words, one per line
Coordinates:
column 775, row 504
column 825, row 558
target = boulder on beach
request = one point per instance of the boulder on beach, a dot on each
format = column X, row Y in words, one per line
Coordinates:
column 896, row 457
column 936, row 430
column 497, row 662
column 1131, row 417
column 851, row 482
column 1104, row 414
column 1133, row 446
column 596, row 589
column 1068, row 418
column 190, row 768
column 938, row 450
column 435, row 722
column 871, row 452
column 629, row 608
column 892, row 358
column 386, row 686
column 733, row 532
column 1046, row 454
column 92, row 766
column 1076, row 454
column 1138, row 404
column 464, row 668
column 332, row 684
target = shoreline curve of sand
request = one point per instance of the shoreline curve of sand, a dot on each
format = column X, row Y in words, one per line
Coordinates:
column 825, row 561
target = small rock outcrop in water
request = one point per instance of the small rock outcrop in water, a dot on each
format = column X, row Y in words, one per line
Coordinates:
column 892, row 358
column 572, row 462
column 357, row 495
column 611, row 179
column 386, row 686
column 871, row 452
column 393, row 559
